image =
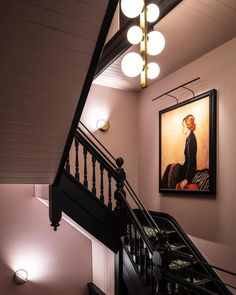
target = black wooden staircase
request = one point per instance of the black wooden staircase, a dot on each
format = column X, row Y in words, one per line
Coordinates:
column 154, row 255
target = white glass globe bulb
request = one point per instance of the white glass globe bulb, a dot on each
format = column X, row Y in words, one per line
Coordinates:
column 135, row 35
column 156, row 43
column 153, row 12
column 153, row 70
column 132, row 8
column 132, row 64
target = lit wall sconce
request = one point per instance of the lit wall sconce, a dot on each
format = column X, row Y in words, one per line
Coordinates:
column 103, row 125
column 20, row 277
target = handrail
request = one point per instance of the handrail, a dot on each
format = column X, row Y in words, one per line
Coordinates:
column 140, row 204
column 166, row 273
column 95, row 138
column 180, row 230
column 94, row 145
column 135, row 221
column 97, row 154
column 212, row 275
column 187, row 284
column 192, row 259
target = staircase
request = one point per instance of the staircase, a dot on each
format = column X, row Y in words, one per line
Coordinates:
column 154, row 255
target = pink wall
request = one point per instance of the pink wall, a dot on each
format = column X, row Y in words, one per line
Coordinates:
column 121, row 108
column 103, row 259
column 209, row 221
column 57, row 262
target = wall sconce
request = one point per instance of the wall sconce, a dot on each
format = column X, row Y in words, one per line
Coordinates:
column 20, row 277
column 103, row 124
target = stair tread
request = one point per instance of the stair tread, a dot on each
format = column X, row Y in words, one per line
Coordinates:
column 201, row 281
column 170, row 231
column 177, row 246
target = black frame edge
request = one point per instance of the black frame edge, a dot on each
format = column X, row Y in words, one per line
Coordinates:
column 212, row 93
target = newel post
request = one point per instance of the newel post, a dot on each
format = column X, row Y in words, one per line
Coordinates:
column 55, row 212
column 120, row 178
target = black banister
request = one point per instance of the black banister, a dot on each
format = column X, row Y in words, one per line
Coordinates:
column 135, row 220
column 95, row 138
column 136, row 199
column 200, row 259
column 138, row 202
column 187, row 284
column 94, row 152
column 193, row 259
column 95, row 147
column 210, row 277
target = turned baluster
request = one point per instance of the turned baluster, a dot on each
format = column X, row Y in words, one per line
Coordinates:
column 135, row 245
column 67, row 166
column 102, row 184
column 85, row 168
column 150, row 269
column 76, row 159
column 109, row 192
column 120, row 178
column 94, row 175
column 131, row 246
column 146, row 264
column 140, row 254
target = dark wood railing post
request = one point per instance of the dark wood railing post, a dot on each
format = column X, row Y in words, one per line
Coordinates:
column 109, row 191
column 120, row 178
column 94, row 175
column 101, row 183
column 55, row 211
column 161, row 262
column 85, row 152
column 120, row 174
column 67, row 165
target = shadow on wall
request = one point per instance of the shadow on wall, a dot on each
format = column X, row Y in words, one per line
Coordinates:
column 6, row 278
column 199, row 214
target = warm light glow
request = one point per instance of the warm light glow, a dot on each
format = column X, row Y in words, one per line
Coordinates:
column 156, row 43
column 32, row 260
column 94, row 110
column 135, row 35
column 153, row 70
column 153, row 12
column 132, row 8
column 132, row 64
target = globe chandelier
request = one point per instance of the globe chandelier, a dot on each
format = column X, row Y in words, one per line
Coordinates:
column 150, row 43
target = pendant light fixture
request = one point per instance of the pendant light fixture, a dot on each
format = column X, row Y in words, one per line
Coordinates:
column 152, row 43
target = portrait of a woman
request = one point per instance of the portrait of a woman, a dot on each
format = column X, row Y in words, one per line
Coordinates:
column 179, row 175
column 187, row 145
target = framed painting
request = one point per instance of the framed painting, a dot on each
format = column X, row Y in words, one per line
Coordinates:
column 187, row 146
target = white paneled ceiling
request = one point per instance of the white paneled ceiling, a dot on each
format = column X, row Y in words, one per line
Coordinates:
column 191, row 29
column 45, row 51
